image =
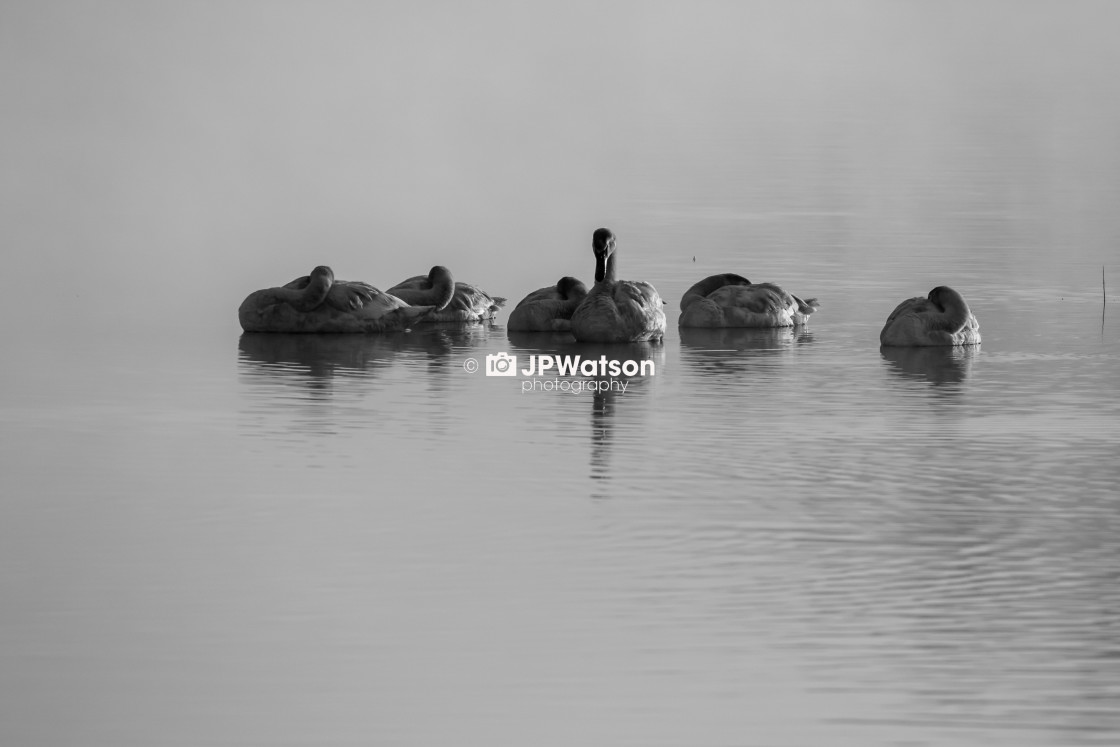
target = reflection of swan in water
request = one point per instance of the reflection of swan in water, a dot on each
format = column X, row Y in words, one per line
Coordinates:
column 734, row 350
column 730, row 300
column 461, row 302
column 937, row 365
column 941, row 318
column 548, row 309
column 605, row 401
column 306, row 384
column 602, row 436
column 744, row 338
column 319, row 303
column 617, row 310
column 296, row 356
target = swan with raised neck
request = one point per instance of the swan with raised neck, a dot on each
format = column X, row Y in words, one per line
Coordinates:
column 617, row 310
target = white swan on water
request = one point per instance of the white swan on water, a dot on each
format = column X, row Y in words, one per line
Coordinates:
column 319, row 303
column 730, row 300
column 453, row 301
column 617, row 310
column 941, row 318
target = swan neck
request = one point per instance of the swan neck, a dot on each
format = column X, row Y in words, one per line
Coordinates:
column 605, row 269
column 443, row 289
column 318, row 285
column 956, row 312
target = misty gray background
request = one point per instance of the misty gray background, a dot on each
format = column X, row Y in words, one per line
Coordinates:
column 161, row 160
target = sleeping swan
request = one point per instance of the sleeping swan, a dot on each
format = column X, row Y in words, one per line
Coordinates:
column 454, row 302
column 319, row 303
column 617, row 310
column 548, row 309
column 730, row 300
column 941, row 318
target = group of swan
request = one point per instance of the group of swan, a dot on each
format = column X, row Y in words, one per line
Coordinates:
column 612, row 311
column 319, row 303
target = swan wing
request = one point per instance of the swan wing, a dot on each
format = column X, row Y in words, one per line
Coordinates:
column 347, row 295
column 626, row 311
column 540, row 316
column 418, row 282
column 541, row 294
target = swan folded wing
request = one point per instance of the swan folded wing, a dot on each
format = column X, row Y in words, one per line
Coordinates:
column 639, row 307
column 346, row 295
column 915, row 306
column 468, row 299
column 299, row 283
column 540, row 316
column 415, row 290
column 597, row 319
column 417, row 282
column 543, row 310
column 806, row 306
column 762, row 298
column 542, row 294
column 709, row 285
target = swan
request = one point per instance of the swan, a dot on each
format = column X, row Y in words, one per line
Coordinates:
column 548, row 309
column 730, row 300
column 941, row 318
column 454, row 301
column 617, row 310
column 319, row 303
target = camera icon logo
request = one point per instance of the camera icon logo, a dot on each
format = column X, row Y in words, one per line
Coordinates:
column 501, row 364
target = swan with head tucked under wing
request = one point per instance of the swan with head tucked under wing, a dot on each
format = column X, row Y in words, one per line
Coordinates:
column 319, row 303
column 941, row 318
column 454, row 301
column 617, row 310
column 730, row 300
column 548, row 309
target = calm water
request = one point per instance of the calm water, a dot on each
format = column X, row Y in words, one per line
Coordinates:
column 784, row 537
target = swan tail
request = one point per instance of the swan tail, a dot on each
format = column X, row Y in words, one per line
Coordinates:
column 806, row 306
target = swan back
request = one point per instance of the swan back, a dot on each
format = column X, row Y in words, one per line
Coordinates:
column 548, row 309
column 743, row 304
column 709, row 285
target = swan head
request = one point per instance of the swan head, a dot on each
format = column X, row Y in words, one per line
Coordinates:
column 443, row 286
column 602, row 243
column 322, row 272
column 943, row 296
column 570, row 288
column 952, row 309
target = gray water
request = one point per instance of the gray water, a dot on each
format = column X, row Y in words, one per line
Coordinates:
column 782, row 537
